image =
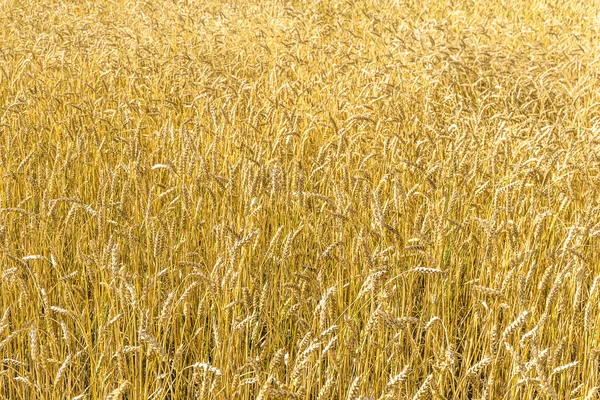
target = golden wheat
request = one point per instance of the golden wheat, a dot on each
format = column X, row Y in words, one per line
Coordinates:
column 331, row 199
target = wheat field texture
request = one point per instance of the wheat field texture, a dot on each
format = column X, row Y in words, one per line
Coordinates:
column 320, row 199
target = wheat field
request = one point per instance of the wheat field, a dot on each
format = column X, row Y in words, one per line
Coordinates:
column 303, row 199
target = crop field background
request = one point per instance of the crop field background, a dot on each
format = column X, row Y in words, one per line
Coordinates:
column 329, row 199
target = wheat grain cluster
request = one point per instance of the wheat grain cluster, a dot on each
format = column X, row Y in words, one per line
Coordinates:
column 301, row 199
